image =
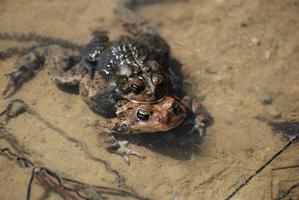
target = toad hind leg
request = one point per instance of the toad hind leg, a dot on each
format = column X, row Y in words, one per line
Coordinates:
column 53, row 57
column 64, row 68
column 27, row 66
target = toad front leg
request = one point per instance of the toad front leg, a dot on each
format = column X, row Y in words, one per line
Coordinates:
column 93, row 50
column 202, row 118
column 105, row 129
column 112, row 145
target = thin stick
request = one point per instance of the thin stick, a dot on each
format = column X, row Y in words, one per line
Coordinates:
column 261, row 168
column 30, row 184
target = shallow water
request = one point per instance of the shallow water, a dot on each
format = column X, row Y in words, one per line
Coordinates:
column 234, row 54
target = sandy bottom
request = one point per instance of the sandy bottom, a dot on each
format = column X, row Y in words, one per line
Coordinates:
column 240, row 57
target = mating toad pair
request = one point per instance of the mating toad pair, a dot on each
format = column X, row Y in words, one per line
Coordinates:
column 130, row 82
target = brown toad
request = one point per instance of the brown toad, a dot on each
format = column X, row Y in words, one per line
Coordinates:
column 123, row 116
column 134, row 68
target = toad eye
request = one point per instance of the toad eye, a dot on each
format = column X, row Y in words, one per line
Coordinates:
column 143, row 114
column 137, row 89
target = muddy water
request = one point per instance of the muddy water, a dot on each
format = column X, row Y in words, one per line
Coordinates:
column 239, row 57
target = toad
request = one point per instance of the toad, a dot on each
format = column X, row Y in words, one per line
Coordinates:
column 134, row 68
column 122, row 116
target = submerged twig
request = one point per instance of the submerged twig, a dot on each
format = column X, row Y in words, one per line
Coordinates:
column 271, row 182
column 287, row 193
column 30, row 184
column 68, row 188
column 51, row 178
column 75, row 188
column 245, row 182
column 119, row 177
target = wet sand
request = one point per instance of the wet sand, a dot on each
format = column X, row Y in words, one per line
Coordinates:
column 240, row 57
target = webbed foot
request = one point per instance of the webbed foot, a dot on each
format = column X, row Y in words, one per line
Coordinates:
column 125, row 152
column 27, row 66
column 202, row 118
column 118, row 147
column 110, row 143
column 16, row 78
column 198, row 127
